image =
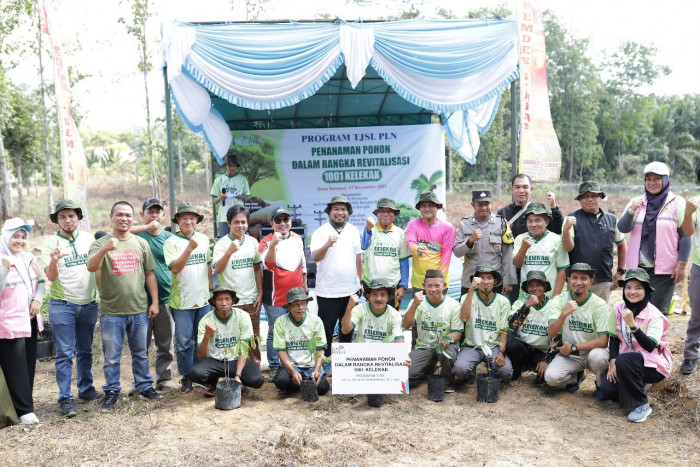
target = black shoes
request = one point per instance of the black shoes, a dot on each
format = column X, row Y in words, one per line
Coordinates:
column 68, row 408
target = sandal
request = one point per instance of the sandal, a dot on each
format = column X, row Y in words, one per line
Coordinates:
column 515, row 383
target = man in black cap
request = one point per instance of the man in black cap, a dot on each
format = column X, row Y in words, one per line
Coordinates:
column 229, row 189
column 596, row 236
column 484, row 238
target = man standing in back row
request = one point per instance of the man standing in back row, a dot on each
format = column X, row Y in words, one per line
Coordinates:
column 229, row 189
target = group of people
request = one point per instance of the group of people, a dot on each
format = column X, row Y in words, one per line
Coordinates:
column 535, row 292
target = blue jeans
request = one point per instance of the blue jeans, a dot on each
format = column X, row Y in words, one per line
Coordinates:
column 113, row 330
column 186, row 327
column 273, row 312
column 73, row 327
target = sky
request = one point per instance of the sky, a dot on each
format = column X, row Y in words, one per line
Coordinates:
column 111, row 97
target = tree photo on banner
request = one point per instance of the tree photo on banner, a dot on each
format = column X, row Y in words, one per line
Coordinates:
column 307, row 167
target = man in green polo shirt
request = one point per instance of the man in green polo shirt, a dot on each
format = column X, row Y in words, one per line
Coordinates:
column 375, row 320
column 582, row 320
column 229, row 189
column 292, row 335
column 222, row 343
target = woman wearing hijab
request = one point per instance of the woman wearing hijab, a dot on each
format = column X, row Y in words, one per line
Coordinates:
column 657, row 243
column 639, row 351
column 21, row 294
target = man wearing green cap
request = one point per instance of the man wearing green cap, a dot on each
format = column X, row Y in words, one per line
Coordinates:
column 540, row 249
column 72, row 305
column 335, row 246
column 581, row 318
column 596, row 236
column 229, row 189
column 295, row 334
column 375, row 320
column 486, row 316
column 188, row 256
column 386, row 253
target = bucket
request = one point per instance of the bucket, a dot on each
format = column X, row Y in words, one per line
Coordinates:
column 436, row 388
column 228, row 394
column 375, row 400
column 309, row 391
column 487, row 388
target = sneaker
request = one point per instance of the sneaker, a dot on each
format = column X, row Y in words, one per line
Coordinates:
column 185, row 385
column 210, row 391
column 89, row 395
column 28, row 419
column 150, row 394
column 573, row 387
column 111, row 399
column 165, row 385
column 68, row 408
column 273, row 373
column 640, row 413
column 688, row 366
column 198, row 385
column 598, row 393
column 132, row 391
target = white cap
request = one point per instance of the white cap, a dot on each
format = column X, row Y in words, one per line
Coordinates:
column 658, row 168
column 15, row 224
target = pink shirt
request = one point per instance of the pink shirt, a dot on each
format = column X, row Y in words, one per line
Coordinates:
column 438, row 239
column 15, row 296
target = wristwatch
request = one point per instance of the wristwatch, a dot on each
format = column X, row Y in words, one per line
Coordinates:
column 574, row 349
column 238, row 375
column 622, row 270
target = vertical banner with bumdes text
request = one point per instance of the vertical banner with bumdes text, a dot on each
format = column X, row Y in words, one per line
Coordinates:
column 72, row 153
column 540, row 153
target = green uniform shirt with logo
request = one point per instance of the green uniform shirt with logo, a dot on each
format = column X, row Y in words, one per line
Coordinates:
column 546, row 254
column 234, row 186
column 384, row 327
column 535, row 328
column 487, row 320
column 239, row 273
column 590, row 320
column 163, row 275
column 123, row 276
column 695, row 258
column 433, row 319
column 386, row 249
column 294, row 337
column 237, row 327
column 74, row 284
column 190, row 287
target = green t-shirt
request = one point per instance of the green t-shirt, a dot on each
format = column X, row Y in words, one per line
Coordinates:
column 386, row 249
column 534, row 330
column 123, row 276
column 433, row 319
column 695, row 258
column 586, row 323
column 294, row 337
column 237, row 327
column 546, row 255
column 74, row 284
column 234, row 186
column 190, row 287
column 240, row 274
column 385, row 327
column 487, row 320
column 163, row 274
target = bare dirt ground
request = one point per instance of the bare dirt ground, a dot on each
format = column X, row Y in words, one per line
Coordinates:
column 527, row 426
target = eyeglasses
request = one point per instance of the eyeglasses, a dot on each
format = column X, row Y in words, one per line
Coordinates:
column 282, row 220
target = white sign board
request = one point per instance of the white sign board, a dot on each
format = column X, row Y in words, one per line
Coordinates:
column 369, row 368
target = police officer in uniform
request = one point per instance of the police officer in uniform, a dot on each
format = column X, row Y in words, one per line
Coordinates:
column 484, row 239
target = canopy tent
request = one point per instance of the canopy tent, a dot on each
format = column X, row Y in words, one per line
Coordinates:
column 299, row 75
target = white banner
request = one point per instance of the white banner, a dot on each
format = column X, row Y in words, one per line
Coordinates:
column 306, row 168
column 370, row 368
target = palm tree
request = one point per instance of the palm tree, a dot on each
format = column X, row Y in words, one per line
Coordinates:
column 423, row 184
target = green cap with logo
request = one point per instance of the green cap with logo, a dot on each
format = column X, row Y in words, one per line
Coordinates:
column 221, row 287
column 386, row 203
column 338, row 199
column 589, row 187
column 637, row 274
column 63, row 205
column 296, row 294
column 187, row 208
column 429, row 197
column 536, row 276
column 376, row 284
column 485, row 268
column 537, row 208
column 581, row 267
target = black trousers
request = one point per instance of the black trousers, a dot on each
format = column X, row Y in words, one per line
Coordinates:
column 283, row 381
column 209, row 370
column 523, row 357
column 31, row 344
column 331, row 311
column 13, row 361
column 632, row 375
